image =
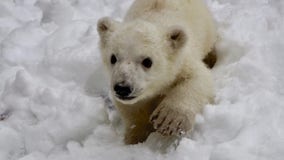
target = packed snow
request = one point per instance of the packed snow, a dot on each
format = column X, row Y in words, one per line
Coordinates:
column 54, row 94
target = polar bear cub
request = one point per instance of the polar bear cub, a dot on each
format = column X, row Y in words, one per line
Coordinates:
column 154, row 58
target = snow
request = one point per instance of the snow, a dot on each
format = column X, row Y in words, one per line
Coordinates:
column 54, row 100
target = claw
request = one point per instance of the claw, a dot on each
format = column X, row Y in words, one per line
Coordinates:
column 160, row 124
column 154, row 117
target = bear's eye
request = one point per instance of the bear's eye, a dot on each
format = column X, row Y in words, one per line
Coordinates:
column 113, row 59
column 147, row 63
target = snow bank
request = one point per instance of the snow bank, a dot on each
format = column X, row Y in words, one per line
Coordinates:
column 53, row 93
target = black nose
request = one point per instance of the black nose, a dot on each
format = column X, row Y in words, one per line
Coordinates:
column 122, row 90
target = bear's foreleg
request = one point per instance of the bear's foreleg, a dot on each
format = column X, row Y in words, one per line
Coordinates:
column 176, row 113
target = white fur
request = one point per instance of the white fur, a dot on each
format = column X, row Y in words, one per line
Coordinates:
column 176, row 35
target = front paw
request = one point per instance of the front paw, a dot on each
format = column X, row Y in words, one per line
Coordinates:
column 171, row 121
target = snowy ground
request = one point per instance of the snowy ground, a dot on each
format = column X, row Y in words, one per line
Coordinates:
column 51, row 81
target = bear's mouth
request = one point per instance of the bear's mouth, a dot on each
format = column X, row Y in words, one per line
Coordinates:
column 125, row 98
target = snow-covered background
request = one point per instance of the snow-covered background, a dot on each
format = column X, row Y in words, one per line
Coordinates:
column 53, row 91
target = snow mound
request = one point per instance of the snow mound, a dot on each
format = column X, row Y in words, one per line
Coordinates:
column 53, row 92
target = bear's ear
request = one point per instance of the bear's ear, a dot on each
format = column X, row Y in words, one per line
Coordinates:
column 105, row 27
column 177, row 37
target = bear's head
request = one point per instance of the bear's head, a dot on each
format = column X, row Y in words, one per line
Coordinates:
column 142, row 59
